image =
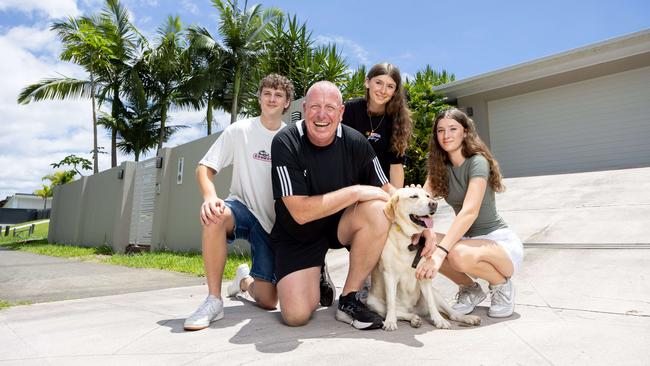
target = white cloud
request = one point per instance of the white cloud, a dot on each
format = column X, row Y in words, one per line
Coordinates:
column 40, row 133
column 51, row 9
column 190, row 6
column 37, row 134
column 34, row 39
column 150, row 3
column 360, row 53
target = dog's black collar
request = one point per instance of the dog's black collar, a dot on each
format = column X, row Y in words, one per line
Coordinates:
column 418, row 255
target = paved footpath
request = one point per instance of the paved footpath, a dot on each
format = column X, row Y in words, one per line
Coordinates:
column 574, row 307
column 39, row 278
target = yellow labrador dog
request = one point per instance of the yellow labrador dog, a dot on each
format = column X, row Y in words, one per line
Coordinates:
column 395, row 293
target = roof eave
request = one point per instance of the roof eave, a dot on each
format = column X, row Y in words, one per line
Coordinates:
column 609, row 50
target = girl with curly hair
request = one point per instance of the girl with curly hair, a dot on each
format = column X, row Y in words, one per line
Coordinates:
column 384, row 118
column 479, row 244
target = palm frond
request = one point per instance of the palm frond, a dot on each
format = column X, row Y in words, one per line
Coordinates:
column 55, row 88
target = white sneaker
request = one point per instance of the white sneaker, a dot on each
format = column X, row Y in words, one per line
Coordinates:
column 468, row 297
column 503, row 300
column 210, row 310
column 242, row 272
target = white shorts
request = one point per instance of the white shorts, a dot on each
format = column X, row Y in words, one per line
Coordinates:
column 509, row 241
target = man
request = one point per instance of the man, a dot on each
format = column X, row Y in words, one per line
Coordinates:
column 326, row 182
column 248, row 212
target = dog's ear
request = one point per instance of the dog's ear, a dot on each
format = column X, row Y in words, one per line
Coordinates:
column 389, row 208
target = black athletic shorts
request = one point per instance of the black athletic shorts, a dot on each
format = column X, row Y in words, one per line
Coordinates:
column 304, row 246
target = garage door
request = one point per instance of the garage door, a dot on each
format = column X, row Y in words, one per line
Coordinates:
column 597, row 124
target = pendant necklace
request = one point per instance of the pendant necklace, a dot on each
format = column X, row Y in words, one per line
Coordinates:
column 372, row 128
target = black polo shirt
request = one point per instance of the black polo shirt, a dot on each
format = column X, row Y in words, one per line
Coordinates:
column 300, row 168
column 377, row 129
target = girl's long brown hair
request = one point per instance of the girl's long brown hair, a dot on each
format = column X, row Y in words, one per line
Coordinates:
column 472, row 145
column 396, row 107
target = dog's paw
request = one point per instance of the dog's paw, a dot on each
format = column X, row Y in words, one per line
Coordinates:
column 416, row 322
column 441, row 323
column 390, row 325
column 471, row 319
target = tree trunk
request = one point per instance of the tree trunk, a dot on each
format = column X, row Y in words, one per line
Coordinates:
column 235, row 94
column 92, row 98
column 163, row 117
column 208, row 117
column 114, row 111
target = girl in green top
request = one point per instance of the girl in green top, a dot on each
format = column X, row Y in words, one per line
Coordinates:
column 479, row 243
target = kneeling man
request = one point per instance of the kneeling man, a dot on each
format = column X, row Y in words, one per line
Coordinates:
column 330, row 192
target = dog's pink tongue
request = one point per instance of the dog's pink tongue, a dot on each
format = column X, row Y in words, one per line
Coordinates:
column 428, row 221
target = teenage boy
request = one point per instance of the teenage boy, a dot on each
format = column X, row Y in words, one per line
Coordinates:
column 248, row 212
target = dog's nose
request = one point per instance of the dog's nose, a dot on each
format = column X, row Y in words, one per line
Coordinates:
column 433, row 206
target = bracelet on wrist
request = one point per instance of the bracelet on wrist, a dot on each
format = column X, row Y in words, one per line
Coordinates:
column 443, row 249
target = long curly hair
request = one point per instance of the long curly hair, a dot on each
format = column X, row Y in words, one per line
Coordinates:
column 472, row 145
column 396, row 107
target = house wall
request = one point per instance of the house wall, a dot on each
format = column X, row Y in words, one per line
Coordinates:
column 23, row 201
column 581, row 99
column 97, row 210
column 182, row 227
column 101, row 194
column 479, row 115
column 596, row 124
column 66, row 212
column 93, row 210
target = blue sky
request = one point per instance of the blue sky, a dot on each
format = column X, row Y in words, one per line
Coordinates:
column 466, row 38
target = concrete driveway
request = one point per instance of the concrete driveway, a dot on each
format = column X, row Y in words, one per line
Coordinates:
column 575, row 306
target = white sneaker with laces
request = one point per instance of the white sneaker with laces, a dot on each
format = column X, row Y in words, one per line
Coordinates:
column 468, row 297
column 242, row 272
column 503, row 300
column 210, row 310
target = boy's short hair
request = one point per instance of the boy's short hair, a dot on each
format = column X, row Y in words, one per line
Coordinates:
column 276, row 81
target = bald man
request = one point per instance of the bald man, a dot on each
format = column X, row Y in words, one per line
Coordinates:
column 330, row 192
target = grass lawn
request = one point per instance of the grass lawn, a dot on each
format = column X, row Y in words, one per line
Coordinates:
column 40, row 232
column 166, row 260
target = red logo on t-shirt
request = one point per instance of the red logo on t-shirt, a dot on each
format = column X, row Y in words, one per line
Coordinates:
column 262, row 155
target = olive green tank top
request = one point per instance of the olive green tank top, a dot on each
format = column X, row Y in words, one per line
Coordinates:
column 488, row 219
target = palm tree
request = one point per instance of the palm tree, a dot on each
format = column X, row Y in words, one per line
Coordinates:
column 106, row 46
column 138, row 128
column 57, row 178
column 209, row 76
column 44, row 193
column 127, row 41
column 290, row 51
column 328, row 64
column 85, row 45
column 424, row 103
column 430, row 77
column 354, row 86
column 244, row 32
column 167, row 68
column 288, row 42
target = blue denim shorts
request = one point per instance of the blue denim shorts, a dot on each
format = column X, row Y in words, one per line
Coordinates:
column 248, row 228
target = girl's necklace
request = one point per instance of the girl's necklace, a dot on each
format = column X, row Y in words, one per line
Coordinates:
column 372, row 128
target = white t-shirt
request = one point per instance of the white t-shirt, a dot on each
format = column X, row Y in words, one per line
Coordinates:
column 246, row 144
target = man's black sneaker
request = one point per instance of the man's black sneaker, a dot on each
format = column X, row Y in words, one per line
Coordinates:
column 352, row 311
column 327, row 291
